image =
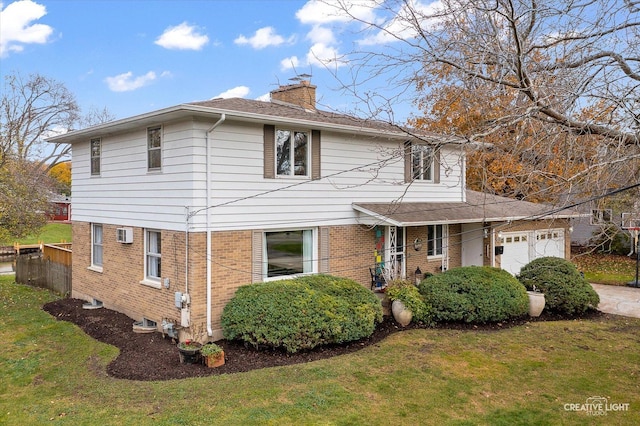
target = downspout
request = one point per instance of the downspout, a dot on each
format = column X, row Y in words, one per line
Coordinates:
column 223, row 117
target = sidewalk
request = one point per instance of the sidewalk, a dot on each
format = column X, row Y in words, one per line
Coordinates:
column 618, row 300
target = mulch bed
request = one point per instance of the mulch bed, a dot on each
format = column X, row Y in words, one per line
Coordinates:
column 154, row 357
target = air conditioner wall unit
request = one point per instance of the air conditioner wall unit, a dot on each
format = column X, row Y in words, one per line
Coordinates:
column 124, row 235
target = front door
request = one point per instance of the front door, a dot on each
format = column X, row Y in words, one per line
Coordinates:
column 472, row 244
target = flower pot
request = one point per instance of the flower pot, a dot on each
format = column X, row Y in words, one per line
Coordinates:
column 401, row 314
column 213, row 361
column 189, row 355
column 536, row 303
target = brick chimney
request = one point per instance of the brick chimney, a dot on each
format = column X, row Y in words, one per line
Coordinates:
column 302, row 94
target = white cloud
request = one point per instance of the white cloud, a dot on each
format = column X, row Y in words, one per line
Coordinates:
column 320, row 34
column 182, row 37
column 127, row 82
column 400, row 26
column 16, row 28
column 317, row 12
column 236, row 92
column 289, row 63
column 322, row 54
column 264, row 98
column 264, row 37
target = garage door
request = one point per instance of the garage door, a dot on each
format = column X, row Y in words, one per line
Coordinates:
column 521, row 248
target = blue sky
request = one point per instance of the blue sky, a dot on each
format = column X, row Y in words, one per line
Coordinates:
column 133, row 57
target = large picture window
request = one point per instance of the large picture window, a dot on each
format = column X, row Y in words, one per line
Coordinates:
column 154, row 148
column 292, row 153
column 96, row 151
column 434, row 240
column 288, row 253
column 96, row 245
column 153, row 255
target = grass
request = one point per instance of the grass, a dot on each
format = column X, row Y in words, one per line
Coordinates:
column 51, row 372
column 51, row 233
column 602, row 268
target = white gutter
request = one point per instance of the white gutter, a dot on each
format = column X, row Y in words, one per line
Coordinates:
column 223, row 117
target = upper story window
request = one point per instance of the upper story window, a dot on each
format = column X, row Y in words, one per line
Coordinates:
column 601, row 216
column 96, row 151
column 292, row 153
column 422, row 162
column 289, row 152
column 154, row 148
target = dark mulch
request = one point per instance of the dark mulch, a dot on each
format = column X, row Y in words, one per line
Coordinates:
column 154, row 357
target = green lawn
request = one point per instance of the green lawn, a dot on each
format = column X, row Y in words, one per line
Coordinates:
column 602, row 268
column 51, row 372
column 51, row 233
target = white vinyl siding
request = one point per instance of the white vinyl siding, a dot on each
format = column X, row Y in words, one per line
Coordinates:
column 355, row 168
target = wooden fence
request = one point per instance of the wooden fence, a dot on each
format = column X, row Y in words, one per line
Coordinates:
column 51, row 271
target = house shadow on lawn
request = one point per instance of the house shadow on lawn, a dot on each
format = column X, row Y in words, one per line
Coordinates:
column 154, row 357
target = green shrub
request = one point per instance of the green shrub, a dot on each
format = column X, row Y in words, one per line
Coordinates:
column 565, row 290
column 410, row 296
column 301, row 313
column 475, row 294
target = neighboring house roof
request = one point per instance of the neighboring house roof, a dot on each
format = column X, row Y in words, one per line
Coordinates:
column 272, row 112
column 478, row 207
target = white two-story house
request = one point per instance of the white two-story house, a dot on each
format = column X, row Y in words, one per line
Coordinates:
column 173, row 210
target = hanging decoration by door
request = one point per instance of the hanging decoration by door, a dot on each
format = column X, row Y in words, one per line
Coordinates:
column 378, row 253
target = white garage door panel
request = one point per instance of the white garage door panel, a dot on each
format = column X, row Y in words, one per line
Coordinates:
column 516, row 251
column 549, row 243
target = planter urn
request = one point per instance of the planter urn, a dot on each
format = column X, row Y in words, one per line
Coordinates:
column 401, row 314
column 536, row 303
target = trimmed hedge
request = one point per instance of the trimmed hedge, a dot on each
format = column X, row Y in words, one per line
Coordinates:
column 475, row 294
column 565, row 290
column 301, row 313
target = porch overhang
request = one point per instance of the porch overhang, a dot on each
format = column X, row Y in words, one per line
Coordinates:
column 478, row 208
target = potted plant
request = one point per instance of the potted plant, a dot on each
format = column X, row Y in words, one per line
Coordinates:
column 189, row 351
column 406, row 303
column 536, row 301
column 212, row 355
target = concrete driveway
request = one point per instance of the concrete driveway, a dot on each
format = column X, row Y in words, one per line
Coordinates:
column 618, row 300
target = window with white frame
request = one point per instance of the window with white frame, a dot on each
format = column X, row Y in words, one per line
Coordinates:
column 601, row 216
column 292, row 153
column 96, row 151
column 434, row 240
column 153, row 255
column 288, row 253
column 96, row 245
column 422, row 162
column 154, row 148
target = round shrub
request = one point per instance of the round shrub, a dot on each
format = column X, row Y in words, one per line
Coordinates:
column 475, row 294
column 301, row 313
column 410, row 296
column 565, row 290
